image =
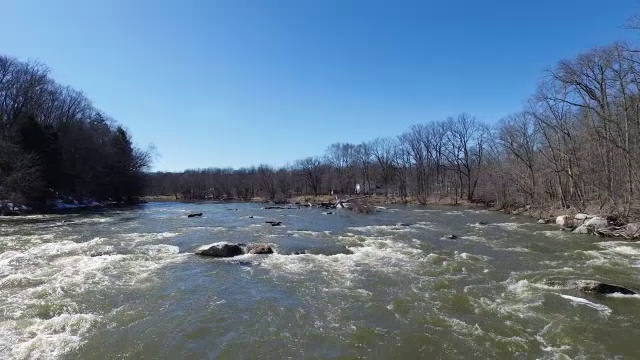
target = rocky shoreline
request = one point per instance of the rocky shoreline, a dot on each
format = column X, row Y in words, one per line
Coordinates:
column 609, row 226
column 60, row 205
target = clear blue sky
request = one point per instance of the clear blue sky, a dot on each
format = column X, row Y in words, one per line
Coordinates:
column 236, row 83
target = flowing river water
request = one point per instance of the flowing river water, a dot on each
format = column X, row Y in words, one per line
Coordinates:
column 125, row 284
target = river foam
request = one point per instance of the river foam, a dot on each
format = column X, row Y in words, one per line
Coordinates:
column 40, row 287
column 584, row 302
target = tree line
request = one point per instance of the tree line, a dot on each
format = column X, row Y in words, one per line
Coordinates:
column 576, row 143
column 54, row 143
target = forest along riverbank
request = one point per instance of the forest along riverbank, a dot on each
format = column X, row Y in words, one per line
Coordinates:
column 393, row 283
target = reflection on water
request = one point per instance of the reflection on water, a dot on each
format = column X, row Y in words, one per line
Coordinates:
column 387, row 285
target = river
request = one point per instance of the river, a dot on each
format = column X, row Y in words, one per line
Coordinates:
column 125, row 283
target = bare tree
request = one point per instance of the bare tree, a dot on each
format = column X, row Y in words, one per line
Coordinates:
column 383, row 151
column 363, row 159
column 340, row 156
column 465, row 141
column 519, row 137
column 312, row 170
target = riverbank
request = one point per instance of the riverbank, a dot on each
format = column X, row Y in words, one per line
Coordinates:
column 57, row 206
column 384, row 200
column 318, row 199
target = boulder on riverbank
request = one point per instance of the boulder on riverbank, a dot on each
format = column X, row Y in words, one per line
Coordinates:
column 561, row 220
column 583, row 229
column 8, row 208
column 591, row 224
column 632, row 231
column 628, row 232
column 581, row 217
column 597, row 223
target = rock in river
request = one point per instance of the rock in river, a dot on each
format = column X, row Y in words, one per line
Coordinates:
column 259, row 249
column 195, row 215
column 220, row 249
column 600, row 288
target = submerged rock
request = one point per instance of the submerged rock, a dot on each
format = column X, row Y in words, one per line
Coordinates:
column 583, row 229
column 451, row 236
column 597, row 287
column 340, row 250
column 482, row 223
column 220, row 249
column 243, row 263
column 259, row 249
column 195, row 215
column 274, row 223
column 103, row 253
column 326, row 251
column 547, row 221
